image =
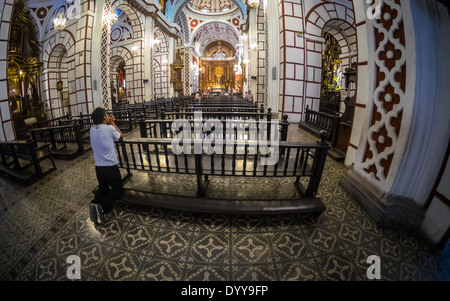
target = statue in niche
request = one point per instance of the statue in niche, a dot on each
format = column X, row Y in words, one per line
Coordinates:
column 30, row 92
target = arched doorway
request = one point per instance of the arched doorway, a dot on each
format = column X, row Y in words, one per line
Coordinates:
column 217, row 67
column 59, row 91
column 118, row 81
column 161, row 80
column 23, row 71
column 331, row 70
column 127, row 41
column 58, row 84
column 338, row 93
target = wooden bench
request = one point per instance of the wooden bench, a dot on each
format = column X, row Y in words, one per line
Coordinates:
column 149, row 110
column 315, row 122
column 210, row 108
column 224, row 104
column 239, row 159
column 53, row 122
column 217, row 115
column 126, row 120
column 21, row 161
column 74, row 133
column 226, row 129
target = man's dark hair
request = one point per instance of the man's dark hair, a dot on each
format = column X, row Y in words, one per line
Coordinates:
column 98, row 115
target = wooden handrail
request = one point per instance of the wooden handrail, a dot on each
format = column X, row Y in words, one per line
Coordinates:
column 291, row 159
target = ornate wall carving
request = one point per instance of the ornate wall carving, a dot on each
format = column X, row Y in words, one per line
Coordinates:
column 389, row 95
column 105, row 54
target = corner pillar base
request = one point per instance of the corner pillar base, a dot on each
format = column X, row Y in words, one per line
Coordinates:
column 385, row 210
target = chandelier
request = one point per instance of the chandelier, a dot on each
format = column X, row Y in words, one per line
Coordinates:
column 59, row 22
column 253, row 3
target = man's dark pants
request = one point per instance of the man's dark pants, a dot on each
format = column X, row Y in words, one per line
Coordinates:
column 110, row 186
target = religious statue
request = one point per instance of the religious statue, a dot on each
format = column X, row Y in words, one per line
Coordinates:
column 30, row 92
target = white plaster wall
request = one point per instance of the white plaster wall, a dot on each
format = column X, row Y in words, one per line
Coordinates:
column 431, row 125
column 273, row 88
column 148, row 34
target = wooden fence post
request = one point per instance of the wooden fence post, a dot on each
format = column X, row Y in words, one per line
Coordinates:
column 318, row 165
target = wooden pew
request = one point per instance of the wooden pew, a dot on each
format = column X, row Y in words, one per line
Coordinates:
column 295, row 160
column 73, row 133
column 21, row 161
column 315, row 122
column 210, row 108
column 126, row 119
column 53, row 122
column 238, row 129
column 217, row 115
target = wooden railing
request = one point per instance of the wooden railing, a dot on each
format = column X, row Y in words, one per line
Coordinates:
column 210, row 108
column 126, row 120
column 323, row 121
column 73, row 133
column 240, row 158
column 52, row 122
column 224, row 103
column 13, row 154
column 217, row 115
column 223, row 129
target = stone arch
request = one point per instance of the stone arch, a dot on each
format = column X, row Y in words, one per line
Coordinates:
column 232, row 40
column 322, row 13
column 135, row 87
column 339, row 21
column 345, row 34
column 135, row 19
column 123, row 53
column 59, row 65
column 182, row 22
column 173, row 11
column 161, row 65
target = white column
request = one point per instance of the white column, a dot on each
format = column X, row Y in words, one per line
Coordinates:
column 246, row 60
column 429, row 123
column 171, row 57
column 96, row 59
column 187, row 59
column 148, row 32
column 273, row 60
column 253, row 40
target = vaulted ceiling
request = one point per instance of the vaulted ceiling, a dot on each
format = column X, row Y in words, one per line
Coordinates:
column 173, row 7
column 211, row 6
column 207, row 21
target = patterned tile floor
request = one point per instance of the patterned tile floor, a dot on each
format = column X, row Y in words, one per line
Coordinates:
column 41, row 225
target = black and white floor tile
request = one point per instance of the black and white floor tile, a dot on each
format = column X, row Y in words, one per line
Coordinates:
column 43, row 224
